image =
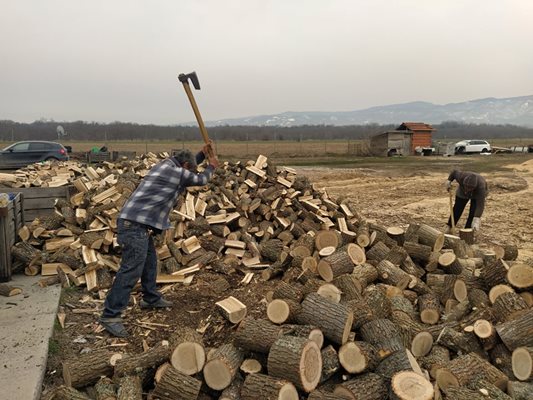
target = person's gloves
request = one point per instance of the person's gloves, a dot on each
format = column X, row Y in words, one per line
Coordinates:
column 476, row 223
column 448, row 185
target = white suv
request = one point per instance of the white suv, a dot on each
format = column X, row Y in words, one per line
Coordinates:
column 472, row 146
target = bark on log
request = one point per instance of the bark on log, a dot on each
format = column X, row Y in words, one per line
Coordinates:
column 137, row 363
column 494, row 274
column 257, row 335
column 463, row 369
column 288, row 291
column 520, row 390
column 366, row 273
column 67, row 393
column 378, row 302
column 271, row 249
column 335, row 265
column 297, row 360
column 87, row 368
column 393, row 275
column 364, row 387
column 335, row 320
column 383, row 334
column 506, row 305
column 429, row 308
column 357, row 357
column 330, row 362
column 173, row 385
column 305, row 331
column 105, row 389
column 222, row 366
column 267, row 387
column 438, row 357
column 501, row 358
column 350, row 287
column 408, row 385
column 517, row 332
column 430, row 236
column 450, row 264
column 418, row 251
column 188, row 355
column 130, row 388
column 280, row 311
column 394, row 363
column 378, row 252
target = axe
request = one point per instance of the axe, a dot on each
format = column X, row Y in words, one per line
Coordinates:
column 184, row 79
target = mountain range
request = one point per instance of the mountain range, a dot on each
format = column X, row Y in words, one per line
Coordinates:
column 512, row 110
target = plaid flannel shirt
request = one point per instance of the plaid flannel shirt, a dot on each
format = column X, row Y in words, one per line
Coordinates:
column 151, row 203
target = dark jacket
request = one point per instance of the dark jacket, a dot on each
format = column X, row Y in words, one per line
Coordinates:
column 478, row 194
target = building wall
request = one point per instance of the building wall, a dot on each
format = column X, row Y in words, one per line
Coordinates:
column 420, row 139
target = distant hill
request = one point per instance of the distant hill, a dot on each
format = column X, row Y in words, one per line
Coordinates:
column 513, row 110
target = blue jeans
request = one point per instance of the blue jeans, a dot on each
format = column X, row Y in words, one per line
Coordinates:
column 139, row 260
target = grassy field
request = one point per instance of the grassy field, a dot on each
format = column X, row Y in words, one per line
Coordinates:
column 339, row 153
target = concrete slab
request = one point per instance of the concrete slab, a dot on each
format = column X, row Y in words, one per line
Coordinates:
column 26, row 324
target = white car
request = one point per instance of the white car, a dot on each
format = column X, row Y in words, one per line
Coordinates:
column 472, row 146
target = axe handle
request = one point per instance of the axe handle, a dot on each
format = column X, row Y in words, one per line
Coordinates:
column 196, row 111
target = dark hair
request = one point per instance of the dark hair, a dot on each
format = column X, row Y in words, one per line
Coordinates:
column 185, row 156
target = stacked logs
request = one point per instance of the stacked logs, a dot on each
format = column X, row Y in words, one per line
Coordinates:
column 359, row 310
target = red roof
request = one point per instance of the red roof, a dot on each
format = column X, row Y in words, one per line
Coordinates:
column 415, row 126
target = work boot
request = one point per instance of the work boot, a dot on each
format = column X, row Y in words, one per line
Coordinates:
column 161, row 303
column 114, row 326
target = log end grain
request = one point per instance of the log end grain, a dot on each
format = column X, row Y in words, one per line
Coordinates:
column 408, row 385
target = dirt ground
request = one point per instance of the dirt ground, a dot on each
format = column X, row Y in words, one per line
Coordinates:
column 388, row 193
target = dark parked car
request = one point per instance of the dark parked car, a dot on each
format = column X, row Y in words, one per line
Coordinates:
column 23, row 153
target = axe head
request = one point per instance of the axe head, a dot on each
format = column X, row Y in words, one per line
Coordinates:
column 184, row 78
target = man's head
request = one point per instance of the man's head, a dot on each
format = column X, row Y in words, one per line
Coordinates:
column 470, row 183
column 186, row 159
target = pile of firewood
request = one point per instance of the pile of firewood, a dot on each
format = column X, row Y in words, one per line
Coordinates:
column 360, row 311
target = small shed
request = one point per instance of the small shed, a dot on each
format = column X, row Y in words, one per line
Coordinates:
column 404, row 140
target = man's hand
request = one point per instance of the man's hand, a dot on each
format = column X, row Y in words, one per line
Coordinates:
column 476, row 223
column 448, row 185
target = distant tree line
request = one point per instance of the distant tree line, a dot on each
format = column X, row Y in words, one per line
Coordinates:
column 100, row 132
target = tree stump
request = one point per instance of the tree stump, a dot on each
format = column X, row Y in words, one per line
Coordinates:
column 297, row 360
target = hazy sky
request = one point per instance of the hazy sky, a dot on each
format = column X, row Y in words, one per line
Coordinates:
column 118, row 60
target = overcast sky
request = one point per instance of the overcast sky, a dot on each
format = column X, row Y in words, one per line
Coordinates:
column 118, row 60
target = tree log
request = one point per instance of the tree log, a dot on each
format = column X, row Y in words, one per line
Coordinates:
column 188, row 356
column 87, row 368
column 268, row 388
column 130, row 388
column 137, row 363
column 517, row 332
column 222, row 366
column 173, row 385
column 522, row 362
column 363, row 387
column 383, row 335
column 409, row 385
column 297, row 360
column 335, row 320
column 357, row 357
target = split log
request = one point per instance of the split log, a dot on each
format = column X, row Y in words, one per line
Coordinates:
column 8, row 290
column 137, row 363
column 335, row 320
column 357, row 357
column 188, row 356
column 257, row 335
column 130, row 388
column 463, row 369
column 408, row 385
column 363, row 387
column 383, row 335
column 522, row 363
column 87, row 368
column 297, row 360
column 268, row 388
column 222, row 366
column 173, row 385
column 232, row 309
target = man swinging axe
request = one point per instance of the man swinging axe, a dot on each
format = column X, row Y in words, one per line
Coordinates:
column 144, row 215
column 473, row 188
